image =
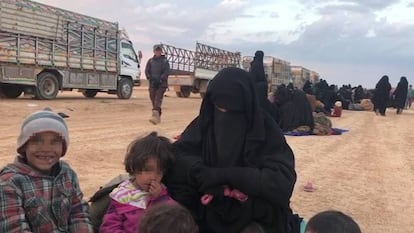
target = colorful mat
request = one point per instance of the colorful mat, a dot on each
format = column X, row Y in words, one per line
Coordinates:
column 334, row 131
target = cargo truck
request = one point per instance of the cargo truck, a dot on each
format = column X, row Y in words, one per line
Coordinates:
column 44, row 50
column 277, row 71
column 191, row 71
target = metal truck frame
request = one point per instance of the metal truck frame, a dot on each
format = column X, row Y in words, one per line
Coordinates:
column 191, row 71
column 44, row 49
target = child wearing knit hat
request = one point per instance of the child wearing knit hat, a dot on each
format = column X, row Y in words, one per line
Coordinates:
column 39, row 192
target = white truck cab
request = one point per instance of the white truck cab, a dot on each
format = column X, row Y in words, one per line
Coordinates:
column 130, row 62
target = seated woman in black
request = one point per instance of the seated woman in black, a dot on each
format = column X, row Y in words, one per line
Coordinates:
column 236, row 154
column 294, row 109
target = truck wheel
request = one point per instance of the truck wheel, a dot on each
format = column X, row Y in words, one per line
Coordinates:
column 178, row 94
column 89, row 93
column 10, row 91
column 125, row 87
column 47, row 86
column 185, row 91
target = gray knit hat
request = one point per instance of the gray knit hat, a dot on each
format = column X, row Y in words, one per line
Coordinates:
column 42, row 121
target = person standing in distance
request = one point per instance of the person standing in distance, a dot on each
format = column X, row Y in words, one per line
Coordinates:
column 257, row 71
column 156, row 71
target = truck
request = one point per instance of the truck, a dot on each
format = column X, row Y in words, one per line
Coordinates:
column 300, row 75
column 191, row 71
column 277, row 71
column 45, row 49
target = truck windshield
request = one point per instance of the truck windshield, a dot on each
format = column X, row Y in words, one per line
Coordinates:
column 128, row 51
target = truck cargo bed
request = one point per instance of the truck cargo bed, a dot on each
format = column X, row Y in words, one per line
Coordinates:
column 36, row 34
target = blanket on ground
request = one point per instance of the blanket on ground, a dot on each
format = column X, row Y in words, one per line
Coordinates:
column 334, row 131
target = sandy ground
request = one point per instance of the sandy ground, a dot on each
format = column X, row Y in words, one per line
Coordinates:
column 367, row 172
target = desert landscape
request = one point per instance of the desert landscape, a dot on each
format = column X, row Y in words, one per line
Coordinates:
column 367, row 172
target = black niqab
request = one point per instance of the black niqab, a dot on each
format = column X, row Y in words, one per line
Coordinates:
column 229, row 131
column 381, row 94
column 400, row 92
column 232, row 90
column 248, row 147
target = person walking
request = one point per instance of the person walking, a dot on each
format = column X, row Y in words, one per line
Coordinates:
column 156, row 71
column 410, row 96
column 400, row 94
column 381, row 95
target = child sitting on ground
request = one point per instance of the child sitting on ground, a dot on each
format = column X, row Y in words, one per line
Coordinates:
column 39, row 192
column 332, row 221
column 168, row 218
column 146, row 160
column 337, row 109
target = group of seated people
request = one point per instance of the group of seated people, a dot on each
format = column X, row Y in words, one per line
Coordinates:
column 307, row 110
column 197, row 184
column 298, row 112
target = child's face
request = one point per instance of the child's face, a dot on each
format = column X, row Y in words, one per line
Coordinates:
column 150, row 173
column 43, row 150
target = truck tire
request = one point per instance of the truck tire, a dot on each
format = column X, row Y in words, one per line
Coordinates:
column 10, row 91
column 89, row 93
column 125, row 87
column 185, row 91
column 47, row 86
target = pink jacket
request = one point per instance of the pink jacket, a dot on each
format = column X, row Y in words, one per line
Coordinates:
column 125, row 218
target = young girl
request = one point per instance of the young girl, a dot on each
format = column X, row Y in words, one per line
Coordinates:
column 168, row 218
column 146, row 161
column 332, row 221
column 40, row 192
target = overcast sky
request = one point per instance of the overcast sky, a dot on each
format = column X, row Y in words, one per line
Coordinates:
column 345, row 41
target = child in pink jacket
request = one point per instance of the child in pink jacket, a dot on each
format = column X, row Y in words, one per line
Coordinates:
column 147, row 159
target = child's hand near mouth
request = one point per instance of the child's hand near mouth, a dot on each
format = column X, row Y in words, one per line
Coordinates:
column 155, row 189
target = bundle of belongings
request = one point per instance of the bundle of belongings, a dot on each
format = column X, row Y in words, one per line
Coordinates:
column 322, row 126
column 365, row 105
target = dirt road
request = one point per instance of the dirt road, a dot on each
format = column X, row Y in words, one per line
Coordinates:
column 367, row 172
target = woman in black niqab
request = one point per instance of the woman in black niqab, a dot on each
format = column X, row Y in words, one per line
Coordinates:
column 257, row 71
column 381, row 95
column 294, row 109
column 233, row 143
column 400, row 94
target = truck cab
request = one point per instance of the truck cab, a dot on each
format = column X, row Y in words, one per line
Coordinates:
column 130, row 62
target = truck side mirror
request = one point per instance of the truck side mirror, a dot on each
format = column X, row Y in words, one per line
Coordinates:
column 140, row 55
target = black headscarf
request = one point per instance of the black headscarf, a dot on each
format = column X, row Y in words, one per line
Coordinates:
column 294, row 108
column 246, row 143
column 257, row 67
column 381, row 94
column 400, row 92
column 232, row 90
column 257, row 71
